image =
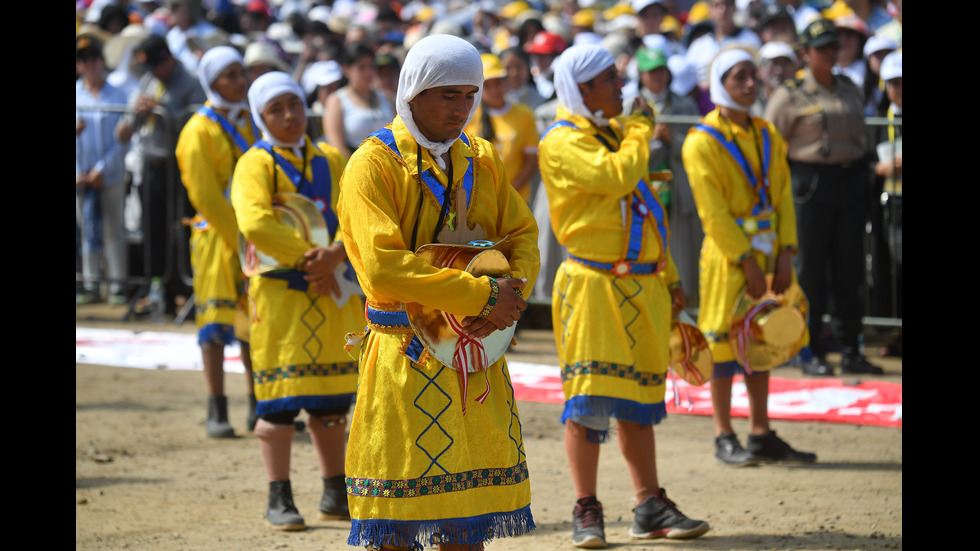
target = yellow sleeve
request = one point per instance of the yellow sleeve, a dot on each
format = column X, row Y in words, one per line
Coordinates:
column 710, row 177
column 205, row 161
column 251, row 196
column 380, row 200
column 572, row 158
column 670, row 276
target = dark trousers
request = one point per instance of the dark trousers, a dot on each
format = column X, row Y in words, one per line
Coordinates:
column 831, row 210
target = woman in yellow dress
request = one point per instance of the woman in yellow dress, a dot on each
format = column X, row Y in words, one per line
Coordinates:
column 297, row 327
column 740, row 178
column 208, row 149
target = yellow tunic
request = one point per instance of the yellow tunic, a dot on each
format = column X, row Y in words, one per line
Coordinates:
column 416, row 466
column 723, row 194
column 206, row 157
column 298, row 355
column 612, row 331
column 516, row 134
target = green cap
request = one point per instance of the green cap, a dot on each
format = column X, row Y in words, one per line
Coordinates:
column 648, row 60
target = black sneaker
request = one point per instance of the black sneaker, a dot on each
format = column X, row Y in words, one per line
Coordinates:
column 588, row 529
column 856, row 364
column 658, row 517
column 771, row 448
column 728, row 451
column 817, row 367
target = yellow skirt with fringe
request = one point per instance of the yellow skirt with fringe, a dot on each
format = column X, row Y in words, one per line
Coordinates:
column 219, row 286
column 298, row 356
column 613, row 339
column 418, row 470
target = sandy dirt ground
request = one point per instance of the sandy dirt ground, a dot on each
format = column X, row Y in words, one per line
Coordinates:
column 147, row 477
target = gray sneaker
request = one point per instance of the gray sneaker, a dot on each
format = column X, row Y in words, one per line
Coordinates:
column 728, row 451
column 588, row 528
column 659, row 517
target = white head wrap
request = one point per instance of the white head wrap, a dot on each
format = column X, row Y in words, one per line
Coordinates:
column 723, row 62
column 263, row 90
column 214, row 61
column 576, row 65
column 437, row 60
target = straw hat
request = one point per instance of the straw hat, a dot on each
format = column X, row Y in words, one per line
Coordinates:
column 128, row 38
column 767, row 331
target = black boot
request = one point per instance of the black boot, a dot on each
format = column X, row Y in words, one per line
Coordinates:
column 217, row 424
column 282, row 513
column 333, row 504
column 252, row 418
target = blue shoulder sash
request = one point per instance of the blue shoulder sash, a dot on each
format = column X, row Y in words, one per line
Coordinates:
column 645, row 205
column 761, row 187
column 387, row 137
column 227, row 126
column 319, row 190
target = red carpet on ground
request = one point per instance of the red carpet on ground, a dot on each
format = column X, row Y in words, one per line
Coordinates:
column 827, row 400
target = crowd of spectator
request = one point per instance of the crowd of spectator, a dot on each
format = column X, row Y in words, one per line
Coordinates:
column 142, row 57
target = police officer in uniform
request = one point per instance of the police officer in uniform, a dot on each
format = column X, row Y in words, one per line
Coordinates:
column 821, row 116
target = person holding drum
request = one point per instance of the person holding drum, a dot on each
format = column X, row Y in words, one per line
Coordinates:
column 613, row 299
column 741, row 183
column 436, row 455
column 297, row 325
column 208, row 148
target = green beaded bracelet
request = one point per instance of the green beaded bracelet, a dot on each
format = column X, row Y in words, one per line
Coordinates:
column 494, row 289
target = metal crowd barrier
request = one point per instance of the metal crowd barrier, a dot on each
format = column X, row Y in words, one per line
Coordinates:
column 177, row 272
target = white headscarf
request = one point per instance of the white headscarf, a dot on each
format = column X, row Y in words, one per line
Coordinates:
column 437, row 60
column 723, row 62
column 214, row 61
column 263, row 90
column 576, row 65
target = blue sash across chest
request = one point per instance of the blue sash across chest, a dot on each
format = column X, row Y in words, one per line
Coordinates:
column 645, row 204
column 318, row 191
column 230, row 129
column 387, row 137
column 761, row 186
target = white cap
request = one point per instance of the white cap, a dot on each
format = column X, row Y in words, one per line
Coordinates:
column 774, row 49
column 321, row 73
column 877, row 43
column 587, row 38
column 319, row 13
column 891, row 66
column 683, row 75
column 638, row 5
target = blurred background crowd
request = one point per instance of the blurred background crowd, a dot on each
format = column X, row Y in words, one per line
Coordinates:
column 136, row 84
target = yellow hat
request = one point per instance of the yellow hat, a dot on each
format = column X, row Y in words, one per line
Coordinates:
column 616, row 10
column 837, row 9
column 513, row 9
column 584, row 18
column 426, row 14
column 698, row 13
column 492, row 67
column 671, row 25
